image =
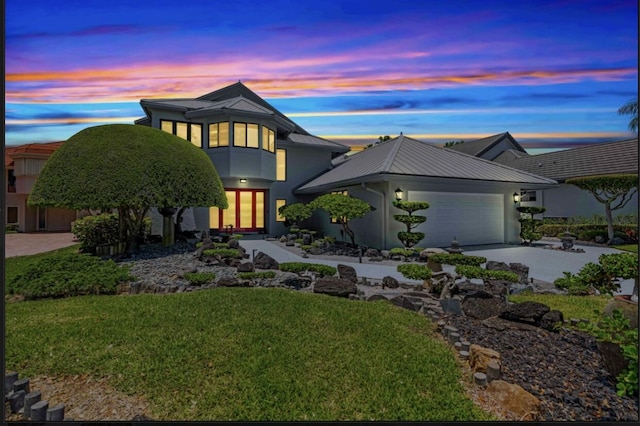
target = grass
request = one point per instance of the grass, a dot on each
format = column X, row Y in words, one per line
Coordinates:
column 633, row 248
column 578, row 307
column 246, row 354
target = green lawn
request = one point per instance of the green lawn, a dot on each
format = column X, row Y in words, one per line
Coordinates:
column 246, row 354
column 571, row 306
column 633, row 248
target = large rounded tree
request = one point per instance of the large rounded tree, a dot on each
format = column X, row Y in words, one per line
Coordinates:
column 130, row 168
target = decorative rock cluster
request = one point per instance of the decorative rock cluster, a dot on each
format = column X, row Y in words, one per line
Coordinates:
column 29, row 404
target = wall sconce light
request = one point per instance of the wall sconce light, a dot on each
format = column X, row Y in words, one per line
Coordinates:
column 399, row 193
column 243, row 180
column 516, row 198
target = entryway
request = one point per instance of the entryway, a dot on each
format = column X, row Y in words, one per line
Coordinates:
column 246, row 212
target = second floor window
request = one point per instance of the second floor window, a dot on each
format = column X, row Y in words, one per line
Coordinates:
column 245, row 135
column 11, row 181
column 268, row 139
column 218, row 134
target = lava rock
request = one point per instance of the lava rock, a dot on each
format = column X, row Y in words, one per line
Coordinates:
column 527, row 312
column 551, row 320
column 264, row 261
column 334, row 286
column 389, row 282
column 245, row 267
column 347, row 272
column 482, row 305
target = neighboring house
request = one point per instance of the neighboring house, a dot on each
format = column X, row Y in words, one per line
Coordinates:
column 568, row 200
column 260, row 155
column 470, row 199
column 22, row 164
column 491, row 147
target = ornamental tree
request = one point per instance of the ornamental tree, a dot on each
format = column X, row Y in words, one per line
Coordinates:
column 295, row 213
column 408, row 238
column 528, row 223
column 129, row 168
column 344, row 208
column 614, row 191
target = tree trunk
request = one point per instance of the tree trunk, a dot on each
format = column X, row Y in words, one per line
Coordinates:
column 609, row 216
column 349, row 232
column 178, row 226
column 123, row 214
column 168, row 227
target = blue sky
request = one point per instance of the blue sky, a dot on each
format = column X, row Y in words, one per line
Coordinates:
column 552, row 73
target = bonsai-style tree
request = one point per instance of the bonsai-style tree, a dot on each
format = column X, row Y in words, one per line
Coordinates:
column 130, row 168
column 408, row 238
column 343, row 207
column 295, row 213
column 614, row 191
column 528, row 223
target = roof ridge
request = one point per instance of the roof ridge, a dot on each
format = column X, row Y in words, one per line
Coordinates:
column 393, row 154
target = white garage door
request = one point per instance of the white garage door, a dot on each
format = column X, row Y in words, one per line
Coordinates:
column 471, row 218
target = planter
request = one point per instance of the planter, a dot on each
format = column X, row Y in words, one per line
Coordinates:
column 629, row 309
column 613, row 358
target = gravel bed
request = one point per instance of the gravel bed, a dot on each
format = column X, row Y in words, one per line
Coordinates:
column 564, row 370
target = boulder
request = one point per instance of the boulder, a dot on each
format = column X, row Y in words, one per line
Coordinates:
column 372, row 253
column 497, row 287
column 521, row 270
column 466, row 287
column 376, row 297
column 233, row 244
column 245, row 267
column 307, row 239
column 232, row 282
column 551, row 320
column 451, row 306
column 283, row 239
column 527, row 312
column 389, row 282
column 347, row 272
column 264, row 261
column 407, row 302
column 385, row 253
column 334, row 286
column 629, row 309
column 492, row 265
column 512, row 401
column 296, row 282
column 479, row 358
column 613, row 358
column 482, row 305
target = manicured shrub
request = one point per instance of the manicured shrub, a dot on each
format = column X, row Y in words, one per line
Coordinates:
column 457, row 259
column 485, row 274
column 414, row 271
column 400, row 251
column 256, row 275
column 69, row 274
column 223, row 253
column 573, row 285
column 199, row 278
column 528, row 223
column 306, row 247
column 95, row 231
column 237, row 236
column 299, row 267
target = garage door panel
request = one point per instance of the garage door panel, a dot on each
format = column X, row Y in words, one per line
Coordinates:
column 470, row 218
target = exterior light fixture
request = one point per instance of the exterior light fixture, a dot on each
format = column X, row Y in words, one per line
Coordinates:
column 516, row 198
column 399, row 193
column 243, row 180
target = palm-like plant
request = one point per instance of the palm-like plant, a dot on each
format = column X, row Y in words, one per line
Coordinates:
column 631, row 108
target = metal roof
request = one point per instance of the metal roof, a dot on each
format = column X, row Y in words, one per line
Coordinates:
column 316, row 141
column 597, row 159
column 410, row 157
column 508, row 155
column 478, row 147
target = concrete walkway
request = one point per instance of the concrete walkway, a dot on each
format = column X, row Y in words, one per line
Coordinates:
column 23, row 244
column 544, row 265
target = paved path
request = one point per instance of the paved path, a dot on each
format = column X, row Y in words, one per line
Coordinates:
column 23, row 244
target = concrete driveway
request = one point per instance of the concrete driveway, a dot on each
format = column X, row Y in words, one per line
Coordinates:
column 23, row 244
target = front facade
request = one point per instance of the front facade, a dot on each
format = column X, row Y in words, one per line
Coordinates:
column 22, row 165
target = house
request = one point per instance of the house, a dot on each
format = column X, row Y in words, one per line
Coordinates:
column 567, row 200
column 22, row 164
column 470, row 199
column 491, row 147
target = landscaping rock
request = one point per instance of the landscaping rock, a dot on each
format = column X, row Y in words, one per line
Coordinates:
column 551, row 320
column 497, row 287
column 527, row 312
column 521, row 270
column 412, row 304
column 482, row 305
column 492, row 265
column 376, row 297
column 629, row 310
column 245, row 267
column 231, row 282
column 389, row 282
column 334, row 286
column 347, row 272
column 264, row 261
column 372, row 253
column 513, row 401
column 451, row 306
column 297, row 282
column 233, row 244
column 465, row 287
column 479, row 358
column 614, row 361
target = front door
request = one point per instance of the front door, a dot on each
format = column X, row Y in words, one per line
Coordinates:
column 246, row 211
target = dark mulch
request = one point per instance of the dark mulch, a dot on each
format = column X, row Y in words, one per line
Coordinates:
column 564, row 370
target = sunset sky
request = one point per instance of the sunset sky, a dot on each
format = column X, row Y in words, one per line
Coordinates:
column 552, row 73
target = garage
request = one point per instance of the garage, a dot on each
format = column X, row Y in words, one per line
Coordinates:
column 472, row 219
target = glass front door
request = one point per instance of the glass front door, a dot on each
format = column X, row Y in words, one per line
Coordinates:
column 246, row 211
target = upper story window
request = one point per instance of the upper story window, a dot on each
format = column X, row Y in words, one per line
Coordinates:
column 189, row 131
column 245, row 135
column 268, row 139
column 11, row 181
column 218, row 134
column 281, row 164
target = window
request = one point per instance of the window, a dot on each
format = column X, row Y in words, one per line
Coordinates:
column 268, row 139
column 239, row 134
column 280, row 203
column 252, row 136
column 218, row 134
column 188, row 131
column 335, row 219
column 528, row 196
column 281, row 164
column 11, row 181
column 12, row 215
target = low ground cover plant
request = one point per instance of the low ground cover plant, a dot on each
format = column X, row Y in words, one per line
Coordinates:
column 299, row 267
column 477, row 272
column 246, row 354
column 199, row 278
column 415, row 271
column 223, row 253
column 457, row 259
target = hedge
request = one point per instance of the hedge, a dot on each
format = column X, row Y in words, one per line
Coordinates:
column 299, row 267
column 457, row 259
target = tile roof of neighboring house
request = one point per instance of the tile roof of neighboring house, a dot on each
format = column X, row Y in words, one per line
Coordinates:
column 29, row 149
column 509, row 154
column 596, row 159
column 479, row 146
column 410, row 157
column 314, row 140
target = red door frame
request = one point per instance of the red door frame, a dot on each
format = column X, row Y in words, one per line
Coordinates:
column 237, row 191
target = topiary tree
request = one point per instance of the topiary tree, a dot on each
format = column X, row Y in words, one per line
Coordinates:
column 129, row 168
column 343, row 207
column 295, row 213
column 408, row 238
column 614, row 191
column 528, row 223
